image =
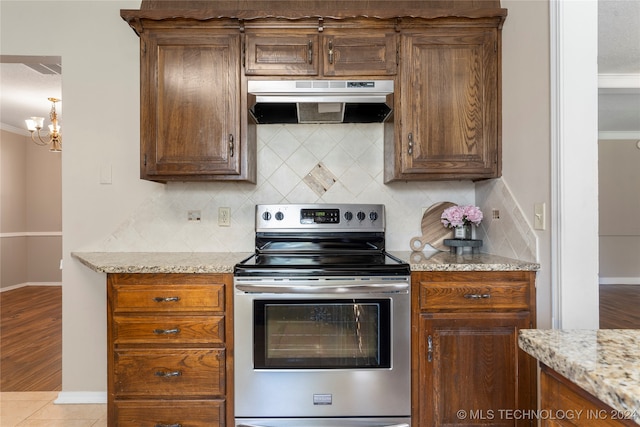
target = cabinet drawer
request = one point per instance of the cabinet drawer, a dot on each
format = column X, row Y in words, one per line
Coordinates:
column 168, row 298
column 168, row 330
column 148, row 413
column 483, row 296
column 170, row 373
column 270, row 54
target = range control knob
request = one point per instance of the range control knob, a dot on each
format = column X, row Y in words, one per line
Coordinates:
column 348, row 215
column 279, row 216
column 361, row 216
column 266, row 216
column 373, row 215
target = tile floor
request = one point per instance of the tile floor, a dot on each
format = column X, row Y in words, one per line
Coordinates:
column 36, row 409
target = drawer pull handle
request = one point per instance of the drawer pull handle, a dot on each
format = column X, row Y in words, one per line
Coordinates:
column 166, row 331
column 477, row 296
column 429, row 349
column 168, row 374
column 167, row 425
column 166, row 299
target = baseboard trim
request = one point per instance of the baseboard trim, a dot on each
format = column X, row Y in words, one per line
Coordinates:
column 619, row 280
column 81, row 397
column 22, row 285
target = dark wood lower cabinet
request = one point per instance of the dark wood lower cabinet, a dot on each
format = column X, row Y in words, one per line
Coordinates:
column 470, row 370
column 564, row 404
column 170, row 350
column 193, row 413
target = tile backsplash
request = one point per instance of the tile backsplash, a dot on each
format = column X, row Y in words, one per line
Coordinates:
column 509, row 235
column 304, row 163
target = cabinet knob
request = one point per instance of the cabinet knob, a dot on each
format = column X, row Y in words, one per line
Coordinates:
column 410, row 138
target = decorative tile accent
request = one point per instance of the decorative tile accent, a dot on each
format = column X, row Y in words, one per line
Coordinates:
column 320, row 179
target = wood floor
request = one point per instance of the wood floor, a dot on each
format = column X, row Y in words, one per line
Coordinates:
column 31, row 332
column 619, row 307
column 31, row 339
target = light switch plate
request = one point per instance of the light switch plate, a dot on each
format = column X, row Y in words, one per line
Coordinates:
column 105, row 174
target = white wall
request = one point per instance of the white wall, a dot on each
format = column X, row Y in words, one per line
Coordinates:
column 619, row 190
column 100, row 90
column 526, row 127
column 30, row 212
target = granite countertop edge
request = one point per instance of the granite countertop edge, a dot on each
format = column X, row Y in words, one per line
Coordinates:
column 602, row 362
column 160, row 262
column 223, row 262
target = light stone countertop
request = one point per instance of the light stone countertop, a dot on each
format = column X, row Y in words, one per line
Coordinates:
column 223, row 262
column 446, row 261
column 605, row 362
column 161, row 262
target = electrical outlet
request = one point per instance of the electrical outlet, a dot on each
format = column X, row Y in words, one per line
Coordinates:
column 495, row 213
column 194, row 215
column 539, row 216
column 224, row 217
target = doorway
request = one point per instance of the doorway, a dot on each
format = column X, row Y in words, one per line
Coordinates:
column 31, row 227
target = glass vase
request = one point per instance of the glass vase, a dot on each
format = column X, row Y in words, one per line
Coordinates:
column 462, row 232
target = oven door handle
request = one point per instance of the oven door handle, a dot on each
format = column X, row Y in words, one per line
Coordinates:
column 401, row 287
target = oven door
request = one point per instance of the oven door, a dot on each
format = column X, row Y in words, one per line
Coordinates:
column 322, row 347
column 327, row 333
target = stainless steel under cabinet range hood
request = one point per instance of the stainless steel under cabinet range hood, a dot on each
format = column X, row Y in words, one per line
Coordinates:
column 321, row 101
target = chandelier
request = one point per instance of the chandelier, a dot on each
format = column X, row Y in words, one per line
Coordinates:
column 34, row 124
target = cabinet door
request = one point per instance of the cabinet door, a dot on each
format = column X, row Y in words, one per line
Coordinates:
column 471, row 371
column 284, row 53
column 449, row 100
column 359, row 53
column 190, row 126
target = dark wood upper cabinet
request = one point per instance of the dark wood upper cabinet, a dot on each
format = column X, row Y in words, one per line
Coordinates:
column 190, row 113
column 449, row 97
column 278, row 52
column 334, row 48
column 360, row 53
column 196, row 57
column 191, row 105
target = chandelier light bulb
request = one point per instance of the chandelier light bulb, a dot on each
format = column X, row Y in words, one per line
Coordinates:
column 35, row 124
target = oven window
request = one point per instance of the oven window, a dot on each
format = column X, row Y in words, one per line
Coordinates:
column 322, row 334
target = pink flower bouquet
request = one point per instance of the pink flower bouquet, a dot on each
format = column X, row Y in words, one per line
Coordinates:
column 456, row 216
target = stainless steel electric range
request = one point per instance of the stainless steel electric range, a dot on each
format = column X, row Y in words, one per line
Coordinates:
column 322, row 321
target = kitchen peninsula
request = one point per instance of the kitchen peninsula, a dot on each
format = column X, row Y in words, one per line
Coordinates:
column 592, row 377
